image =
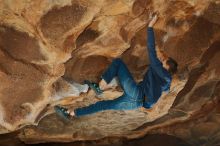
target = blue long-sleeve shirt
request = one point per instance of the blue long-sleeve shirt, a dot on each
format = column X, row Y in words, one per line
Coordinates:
column 157, row 79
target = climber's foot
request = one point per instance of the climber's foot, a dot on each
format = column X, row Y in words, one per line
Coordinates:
column 95, row 87
column 63, row 112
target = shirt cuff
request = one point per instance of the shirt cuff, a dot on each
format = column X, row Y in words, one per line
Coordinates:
column 150, row 28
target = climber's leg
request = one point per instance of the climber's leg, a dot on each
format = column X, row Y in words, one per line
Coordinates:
column 117, row 66
column 122, row 103
column 131, row 99
column 119, row 69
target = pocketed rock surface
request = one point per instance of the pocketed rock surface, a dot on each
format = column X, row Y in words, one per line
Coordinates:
column 44, row 45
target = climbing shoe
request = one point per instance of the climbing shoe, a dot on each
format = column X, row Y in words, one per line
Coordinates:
column 62, row 112
column 94, row 86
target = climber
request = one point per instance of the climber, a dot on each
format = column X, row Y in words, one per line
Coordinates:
column 144, row 94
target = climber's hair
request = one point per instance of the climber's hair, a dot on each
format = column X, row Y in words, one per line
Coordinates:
column 172, row 66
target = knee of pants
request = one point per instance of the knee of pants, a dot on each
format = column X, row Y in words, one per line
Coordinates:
column 117, row 61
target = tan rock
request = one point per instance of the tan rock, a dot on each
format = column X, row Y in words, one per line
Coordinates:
column 40, row 41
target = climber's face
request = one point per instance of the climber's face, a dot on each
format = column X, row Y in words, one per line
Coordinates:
column 164, row 58
column 165, row 65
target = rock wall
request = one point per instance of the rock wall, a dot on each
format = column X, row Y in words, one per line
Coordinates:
column 45, row 42
column 150, row 140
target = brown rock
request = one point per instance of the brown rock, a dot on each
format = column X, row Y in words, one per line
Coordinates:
column 205, row 129
column 40, row 41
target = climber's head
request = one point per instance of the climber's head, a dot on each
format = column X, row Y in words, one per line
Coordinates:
column 168, row 63
column 171, row 65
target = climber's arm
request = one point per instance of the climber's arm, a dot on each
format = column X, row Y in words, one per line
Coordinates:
column 155, row 63
column 151, row 41
column 151, row 47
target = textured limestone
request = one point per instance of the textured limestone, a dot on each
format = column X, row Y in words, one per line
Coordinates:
column 150, row 140
column 33, row 50
column 43, row 43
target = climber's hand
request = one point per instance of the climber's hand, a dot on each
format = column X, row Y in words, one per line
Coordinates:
column 153, row 19
column 145, row 110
